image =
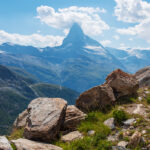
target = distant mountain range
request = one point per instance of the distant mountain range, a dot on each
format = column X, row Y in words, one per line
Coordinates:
column 79, row 63
column 18, row 88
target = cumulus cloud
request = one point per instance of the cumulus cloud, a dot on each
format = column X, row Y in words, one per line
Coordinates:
column 88, row 17
column 105, row 42
column 134, row 11
column 116, row 37
column 36, row 40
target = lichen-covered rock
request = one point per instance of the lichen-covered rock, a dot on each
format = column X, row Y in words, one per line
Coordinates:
column 20, row 122
column 73, row 117
column 4, row 143
column 71, row 136
column 45, row 118
column 122, row 144
column 123, row 84
column 24, row 144
column 97, row 98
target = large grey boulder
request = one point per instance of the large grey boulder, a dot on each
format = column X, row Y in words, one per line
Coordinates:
column 73, row 118
column 4, row 143
column 97, row 98
column 20, row 122
column 24, row 144
column 45, row 118
column 123, row 84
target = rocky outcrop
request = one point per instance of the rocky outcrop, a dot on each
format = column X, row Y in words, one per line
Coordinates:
column 24, row 144
column 98, row 97
column 45, row 118
column 143, row 76
column 73, row 118
column 123, row 84
column 72, row 136
column 20, row 122
column 118, row 85
column 4, row 143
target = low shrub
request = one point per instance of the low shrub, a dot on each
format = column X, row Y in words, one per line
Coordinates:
column 119, row 116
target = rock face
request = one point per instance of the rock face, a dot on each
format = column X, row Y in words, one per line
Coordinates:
column 24, row 144
column 4, row 143
column 71, row 136
column 20, row 122
column 143, row 76
column 96, row 98
column 123, row 84
column 73, row 118
column 45, row 118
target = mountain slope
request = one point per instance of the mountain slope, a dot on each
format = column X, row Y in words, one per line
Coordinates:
column 17, row 90
column 79, row 63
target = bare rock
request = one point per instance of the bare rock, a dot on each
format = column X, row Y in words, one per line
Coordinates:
column 71, row 136
column 123, row 84
column 143, row 76
column 4, row 143
column 122, row 144
column 73, row 117
column 20, row 122
column 137, row 109
column 46, row 116
column 96, row 98
column 135, row 139
column 118, row 148
column 129, row 122
column 110, row 123
column 24, row 144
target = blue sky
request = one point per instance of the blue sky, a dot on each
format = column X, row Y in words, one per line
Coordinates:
column 114, row 23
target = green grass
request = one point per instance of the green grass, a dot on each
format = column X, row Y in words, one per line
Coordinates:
column 13, row 146
column 94, row 121
column 16, row 134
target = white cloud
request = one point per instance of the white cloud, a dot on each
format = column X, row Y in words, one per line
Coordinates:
column 88, row 17
column 116, row 37
column 134, row 11
column 105, row 42
column 36, row 40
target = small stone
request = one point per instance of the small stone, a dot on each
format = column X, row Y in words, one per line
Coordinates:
column 71, row 136
column 122, row 144
column 91, row 132
column 147, row 92
column 4, row 143
column 113, row 138
column 110, row 123
column 135, row 139
column 144, row 131
column 118, row 148
column 131, row 127
column 129, row 122
column 140, row 98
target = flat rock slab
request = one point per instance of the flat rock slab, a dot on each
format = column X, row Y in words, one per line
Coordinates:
column 139, row 109
column 45, row 118
column 24, row 144
column 4, row 143
column 71, row 136
column 129, row 122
